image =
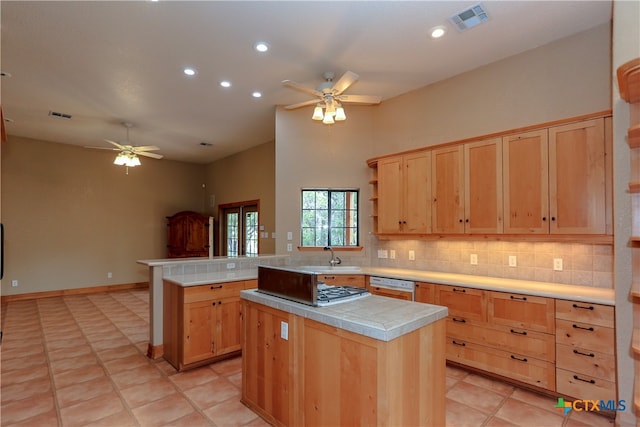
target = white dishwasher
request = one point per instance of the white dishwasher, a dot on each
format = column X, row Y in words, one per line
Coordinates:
column 393, row 288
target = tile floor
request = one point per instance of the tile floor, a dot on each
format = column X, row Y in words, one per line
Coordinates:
column 80, row 361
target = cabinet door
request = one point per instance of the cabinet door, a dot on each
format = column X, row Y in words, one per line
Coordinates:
column 525, row 162
column 417, row 193
column 228, row 326
column 447, row 169
column 483, row 185
column 197, row 238
column 198, row 332
column 577, row 178
column 425, row 292
column 389, row 195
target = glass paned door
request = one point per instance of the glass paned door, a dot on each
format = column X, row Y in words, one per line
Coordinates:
column 240, row 230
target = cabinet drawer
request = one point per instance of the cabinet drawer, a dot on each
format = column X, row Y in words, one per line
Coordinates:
column 212, row 291
column 462, row 302
column 518, row 367
column 522, row 311
column 584, row 335
column 588, row 362
column 529, row 343
column 584, row 387
column 342, row 280
column 595, row 314
column 251, row 284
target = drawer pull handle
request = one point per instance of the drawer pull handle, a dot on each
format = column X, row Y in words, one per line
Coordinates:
column 524, row 359
column 589, row 307
column 459, row 290
column 458, row 320
column 590, row 329
column 575, row 377
column 461, row 344
column 217, row 287
column 518, row 298
column 583, row 354
column 518, row 332
column 329, row 277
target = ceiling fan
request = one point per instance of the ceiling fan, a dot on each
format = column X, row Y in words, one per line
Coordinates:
column 128, row 154
column 330, row 96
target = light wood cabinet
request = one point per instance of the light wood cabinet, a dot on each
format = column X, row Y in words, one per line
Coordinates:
column 577, row 178
column 391, row 293
column 526, row 182
column 585, row 342
column 522, row 311
column 483, row 203
column 447, row 171
column 322, row 375
column 463, row 303
column 425, row 293
column 202, row 323
column 357, row 280
column 404, row 194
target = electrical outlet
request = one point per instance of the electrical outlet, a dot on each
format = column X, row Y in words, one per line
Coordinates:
column 14, row 283
column 392, row 254
column 383, row 253
column 512, row 261
column 231, row 265
column 284, row 330
column 289, row 235
column 557, row 264
column 412, row 255
column 474, row 259
column 109, row 275
column 289, row 247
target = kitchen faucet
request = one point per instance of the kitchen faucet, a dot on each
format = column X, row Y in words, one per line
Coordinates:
column 334, row 259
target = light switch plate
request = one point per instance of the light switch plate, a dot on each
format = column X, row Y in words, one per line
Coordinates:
column 474, row 259
column 412, row 255
column 284, row 330
column 512, row 261
column 557, row 264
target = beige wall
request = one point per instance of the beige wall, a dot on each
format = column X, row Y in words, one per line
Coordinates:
column 248, row 175
column 71, row 216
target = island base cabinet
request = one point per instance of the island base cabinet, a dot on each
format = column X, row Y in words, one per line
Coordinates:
column 521, row 368
column 322, row 375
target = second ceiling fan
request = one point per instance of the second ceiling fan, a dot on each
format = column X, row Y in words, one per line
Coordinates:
column 330, row 97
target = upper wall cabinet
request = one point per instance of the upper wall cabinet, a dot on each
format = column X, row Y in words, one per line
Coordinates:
column 467, row 188
column 577, row 178
column 548, row 181
column 404, row 194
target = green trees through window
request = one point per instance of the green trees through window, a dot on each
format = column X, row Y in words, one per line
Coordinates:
column 329, row 217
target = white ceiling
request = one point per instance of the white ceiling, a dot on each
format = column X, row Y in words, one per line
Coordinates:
column 106, row 62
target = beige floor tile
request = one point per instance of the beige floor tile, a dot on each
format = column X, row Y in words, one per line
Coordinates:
column 584, row 419
column 194, row 419
column 213, row 392
column 119, row 419
column 231, row 413
column 163, row 411
column 80, row 375
column 135, row 361
column 21, row 410
column 142, row 375
column 497, row 386
column 524, row 414
column 498, row 422
column 195, row 377
column 479, row 398
column 62, row 365
column 459, row 415
column 25, row 390
column 117, row 353
column 48, row 419
column 65, row 353
column 24, row 375
column 228, row 366
column 76, row 393
column 92, row 410
column 455, row 372
column 150, row 391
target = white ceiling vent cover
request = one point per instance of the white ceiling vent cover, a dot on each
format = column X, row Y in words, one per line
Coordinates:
column 469, row 17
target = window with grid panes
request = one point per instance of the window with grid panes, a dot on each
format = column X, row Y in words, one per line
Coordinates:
column 329, row 218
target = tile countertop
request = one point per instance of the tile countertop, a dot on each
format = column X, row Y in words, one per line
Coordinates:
column 529, row 287
column 376, row 317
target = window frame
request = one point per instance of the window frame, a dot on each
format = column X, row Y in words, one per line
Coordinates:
column 329, row 192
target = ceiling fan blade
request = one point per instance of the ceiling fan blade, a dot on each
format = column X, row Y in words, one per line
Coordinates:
column 121, row 147
column 347, row 79
column 102, row 148
column 302, row 104
column 297, row 86
column 146, row 148
column 152, row 155
column 359, row 99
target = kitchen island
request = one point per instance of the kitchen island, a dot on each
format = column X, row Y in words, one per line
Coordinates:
column 374, row 361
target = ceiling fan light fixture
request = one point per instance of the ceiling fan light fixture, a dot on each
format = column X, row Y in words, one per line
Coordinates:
column 121, row 159
column 317, row 113
column 133, row 161
column 340, row 115
column 328, row 119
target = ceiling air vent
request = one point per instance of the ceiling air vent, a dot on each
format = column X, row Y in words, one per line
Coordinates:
column 469, row 17
column 59, row 115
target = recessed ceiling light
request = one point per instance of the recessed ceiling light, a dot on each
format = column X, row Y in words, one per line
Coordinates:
column 439, row 31
column 225, row 83
column 189, row 71
column 261, row 47
column 256, row 94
